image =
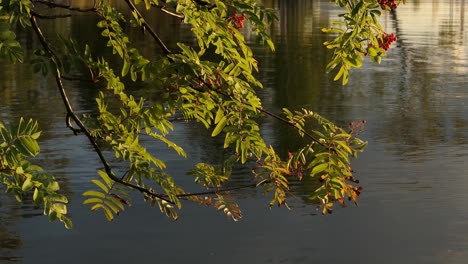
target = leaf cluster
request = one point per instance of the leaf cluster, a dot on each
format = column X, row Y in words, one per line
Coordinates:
column 24, row 179
column 12, row 12
column 357, row 35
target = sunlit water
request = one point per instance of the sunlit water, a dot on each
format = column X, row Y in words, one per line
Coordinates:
column 414, row 172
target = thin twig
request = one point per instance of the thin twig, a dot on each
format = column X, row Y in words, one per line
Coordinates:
column 50, row 16
column 291, row 124
column 172, row 13
column 146, row 26
column 222, row 190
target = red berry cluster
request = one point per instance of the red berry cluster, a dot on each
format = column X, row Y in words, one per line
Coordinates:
column 387, row 3
column 386, row 41
column 238, row 20
column 357, row 127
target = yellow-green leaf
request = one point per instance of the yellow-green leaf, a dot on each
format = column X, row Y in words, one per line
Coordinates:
column 93, row 201
column 95, row 194
column 101, row 185
column 27, row 185
column 219, row 127
column 319, row 168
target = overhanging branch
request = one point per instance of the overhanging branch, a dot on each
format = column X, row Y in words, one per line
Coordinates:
column 72, row 115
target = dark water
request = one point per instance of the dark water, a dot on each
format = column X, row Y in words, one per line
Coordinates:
column 414, row 172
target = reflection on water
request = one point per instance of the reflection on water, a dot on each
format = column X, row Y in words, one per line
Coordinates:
column 10, row 241
column 414, row 172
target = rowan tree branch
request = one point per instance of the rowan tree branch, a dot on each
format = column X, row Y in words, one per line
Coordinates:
column 72, row 115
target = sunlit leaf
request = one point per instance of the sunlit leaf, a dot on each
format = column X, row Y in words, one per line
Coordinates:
column 219, row 127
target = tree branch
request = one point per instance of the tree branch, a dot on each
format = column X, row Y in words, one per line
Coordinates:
column 71, row 115
column 49, row 16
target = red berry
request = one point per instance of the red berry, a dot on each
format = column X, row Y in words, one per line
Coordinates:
column 238, row 20
column 387, row 3
column 386, row 41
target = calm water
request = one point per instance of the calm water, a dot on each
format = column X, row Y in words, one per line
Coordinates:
column 414, row 172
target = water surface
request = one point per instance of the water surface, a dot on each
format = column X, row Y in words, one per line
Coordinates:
column 414, row 172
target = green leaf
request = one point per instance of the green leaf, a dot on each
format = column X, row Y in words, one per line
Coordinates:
column 93, row 201
column 36, row 135
column 52, row 216
column 28, row 146
column 125, row 67
column 57, row 198
column 344, row 146
column 112, row 206
column 36, row 195
column 19, row 170
column 319, row 168
column 67, row 222
column 94, row 194
column 105, row 177
column 53, row 186
column 372, row 51
column 352, row 62
column 27, row 185
column 59, row 208
column 357, row 8
column 340, row 73
column 219, row 115
column 116, row 202
column 101, row 185
column 219, row 127
column 107, row 211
